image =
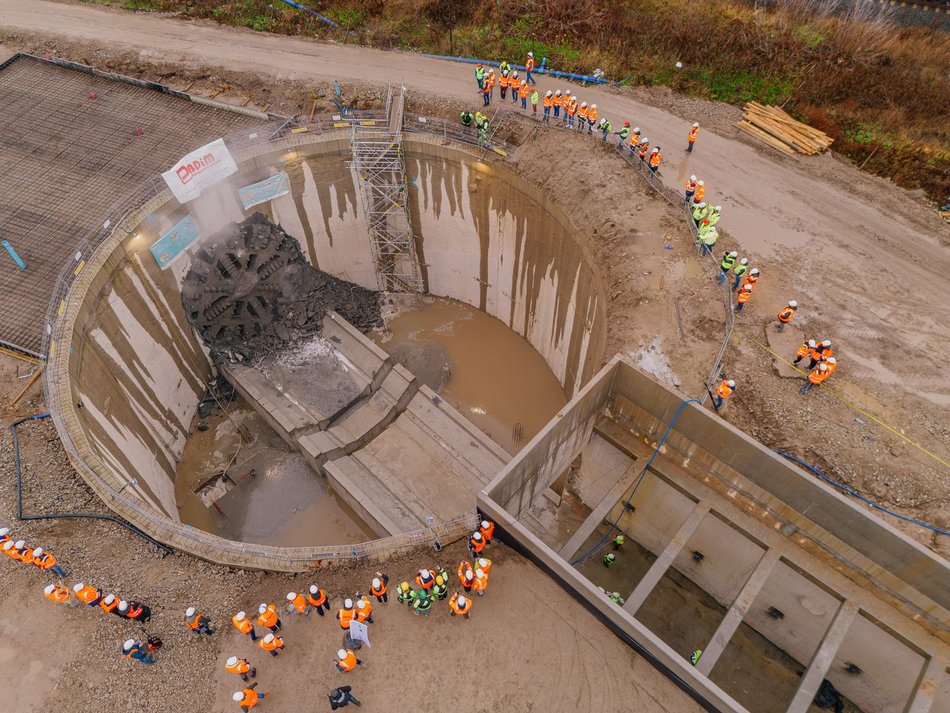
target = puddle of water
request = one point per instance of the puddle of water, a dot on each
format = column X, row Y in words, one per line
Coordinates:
column 286, row 504
column 495, row 377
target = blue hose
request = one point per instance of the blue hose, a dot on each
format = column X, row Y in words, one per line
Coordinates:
column 849, row 491
column 307, row 10
column 640, row 478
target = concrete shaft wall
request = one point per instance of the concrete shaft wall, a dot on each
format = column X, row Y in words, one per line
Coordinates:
column 136, row 369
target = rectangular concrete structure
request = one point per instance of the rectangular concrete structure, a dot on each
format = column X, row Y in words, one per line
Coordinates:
column 784, row 555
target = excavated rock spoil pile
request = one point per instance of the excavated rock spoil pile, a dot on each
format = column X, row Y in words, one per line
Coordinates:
column 250, row 292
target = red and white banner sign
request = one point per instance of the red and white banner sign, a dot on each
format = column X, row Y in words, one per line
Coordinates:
column 200, row 169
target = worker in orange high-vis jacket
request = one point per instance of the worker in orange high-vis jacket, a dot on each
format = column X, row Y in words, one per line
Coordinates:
column 691, row 185
column 832, row 363
column 476, row 543
column 241, row 667
column 548, row 105
column 86, row 594
column 110, row 604
column 484, row 564
column 643, row 149
column 700, row 193
column 821, row 352
column 655, row 158
column 47, row 562
column 559, row 101
column 267, row 616
column 297, row 604
column 425, row 579
column 570, row 110
column 481, row 582
column 272, row 643
column 134, row 610
column 582, row 112
column 244, row 625
column 346, row 660
column 466, row 575
column 816, row 377
column 197, row 622
column 460, row 606
column 804, row 350
column 24, row 552
column 57, row 593
column 9, row 549
column 247, row 698
column 785, row 314
column 591, row 118
column 745, row 294
column 529, row 68
column 524, row 91
column 346, row 614
column 379, row 586
column 693, row 133
column 503, row 82
column 723, row 392
column 487, row 529
column 364, row 609
column 318, row 599
column 4, row 535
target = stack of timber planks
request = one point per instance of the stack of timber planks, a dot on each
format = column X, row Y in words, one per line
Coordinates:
column 780, row 131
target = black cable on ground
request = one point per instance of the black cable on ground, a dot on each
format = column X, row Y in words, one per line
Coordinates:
column 90, row 516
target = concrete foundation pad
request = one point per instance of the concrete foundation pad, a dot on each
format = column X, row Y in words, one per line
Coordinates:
column 785, row 343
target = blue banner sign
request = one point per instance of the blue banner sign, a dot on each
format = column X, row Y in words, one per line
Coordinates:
column 173, row 243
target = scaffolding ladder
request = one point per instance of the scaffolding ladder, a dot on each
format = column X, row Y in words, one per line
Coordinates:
column 378, row 161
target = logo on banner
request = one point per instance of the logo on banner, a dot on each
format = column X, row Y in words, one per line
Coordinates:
column 200, row 169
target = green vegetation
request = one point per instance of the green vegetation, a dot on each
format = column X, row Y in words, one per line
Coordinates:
column 882, row 92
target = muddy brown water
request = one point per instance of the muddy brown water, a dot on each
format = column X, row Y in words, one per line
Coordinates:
column 496, row 378
column 285, row 504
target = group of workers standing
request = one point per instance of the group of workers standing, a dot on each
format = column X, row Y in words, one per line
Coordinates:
column 431, row 585
column 561, row 107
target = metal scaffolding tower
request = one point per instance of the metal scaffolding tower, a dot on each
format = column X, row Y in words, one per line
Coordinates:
column 377, row 158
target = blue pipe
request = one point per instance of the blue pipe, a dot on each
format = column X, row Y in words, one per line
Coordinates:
column 520, row 67
column 16, row 258
column 307, row 10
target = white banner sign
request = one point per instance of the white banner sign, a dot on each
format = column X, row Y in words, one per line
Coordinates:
column 200, row 169
column 359, row 632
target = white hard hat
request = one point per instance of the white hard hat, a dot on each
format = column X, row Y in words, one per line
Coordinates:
column 347, row 603
column 262, row 608
column 476, row 535
column 38, row 551
column 731, row 383
column 811, row 343
column 831, row 360
column 341, row 654
column 754, row 271
column 78, row 587
column 423, row 572
column 232, row 661
column 314, row 589
column 190, row 611
column 8, row 545
column 701, row 183
column 129, row 643
column 4, row 531
column 238, row 696
column 703, row 204
column 361, row 604
column 656, row 150
column 718, row 207
column 793, row 304
column 462, row 601
column 482, row 562
column 479, row 572
column 583, row 104
column 468, row 574
column 269, row 638
column 695, row 124
column 49, row 589
column 744, row 261
column 240, row 616
column 548, row 93
column 826, row 343
column 558, row 92
column 491, row 71
column 734, row 254
column 822, row 367
column 123, row 605
column 748, row 288
column 692, row 178
column 376, row 583
column 291, row 596
column 567, row 92
column 109, row 599
column 603, row 121
column 593, row 106
column 20, row 544
column 531, row 54
column 636, row 129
